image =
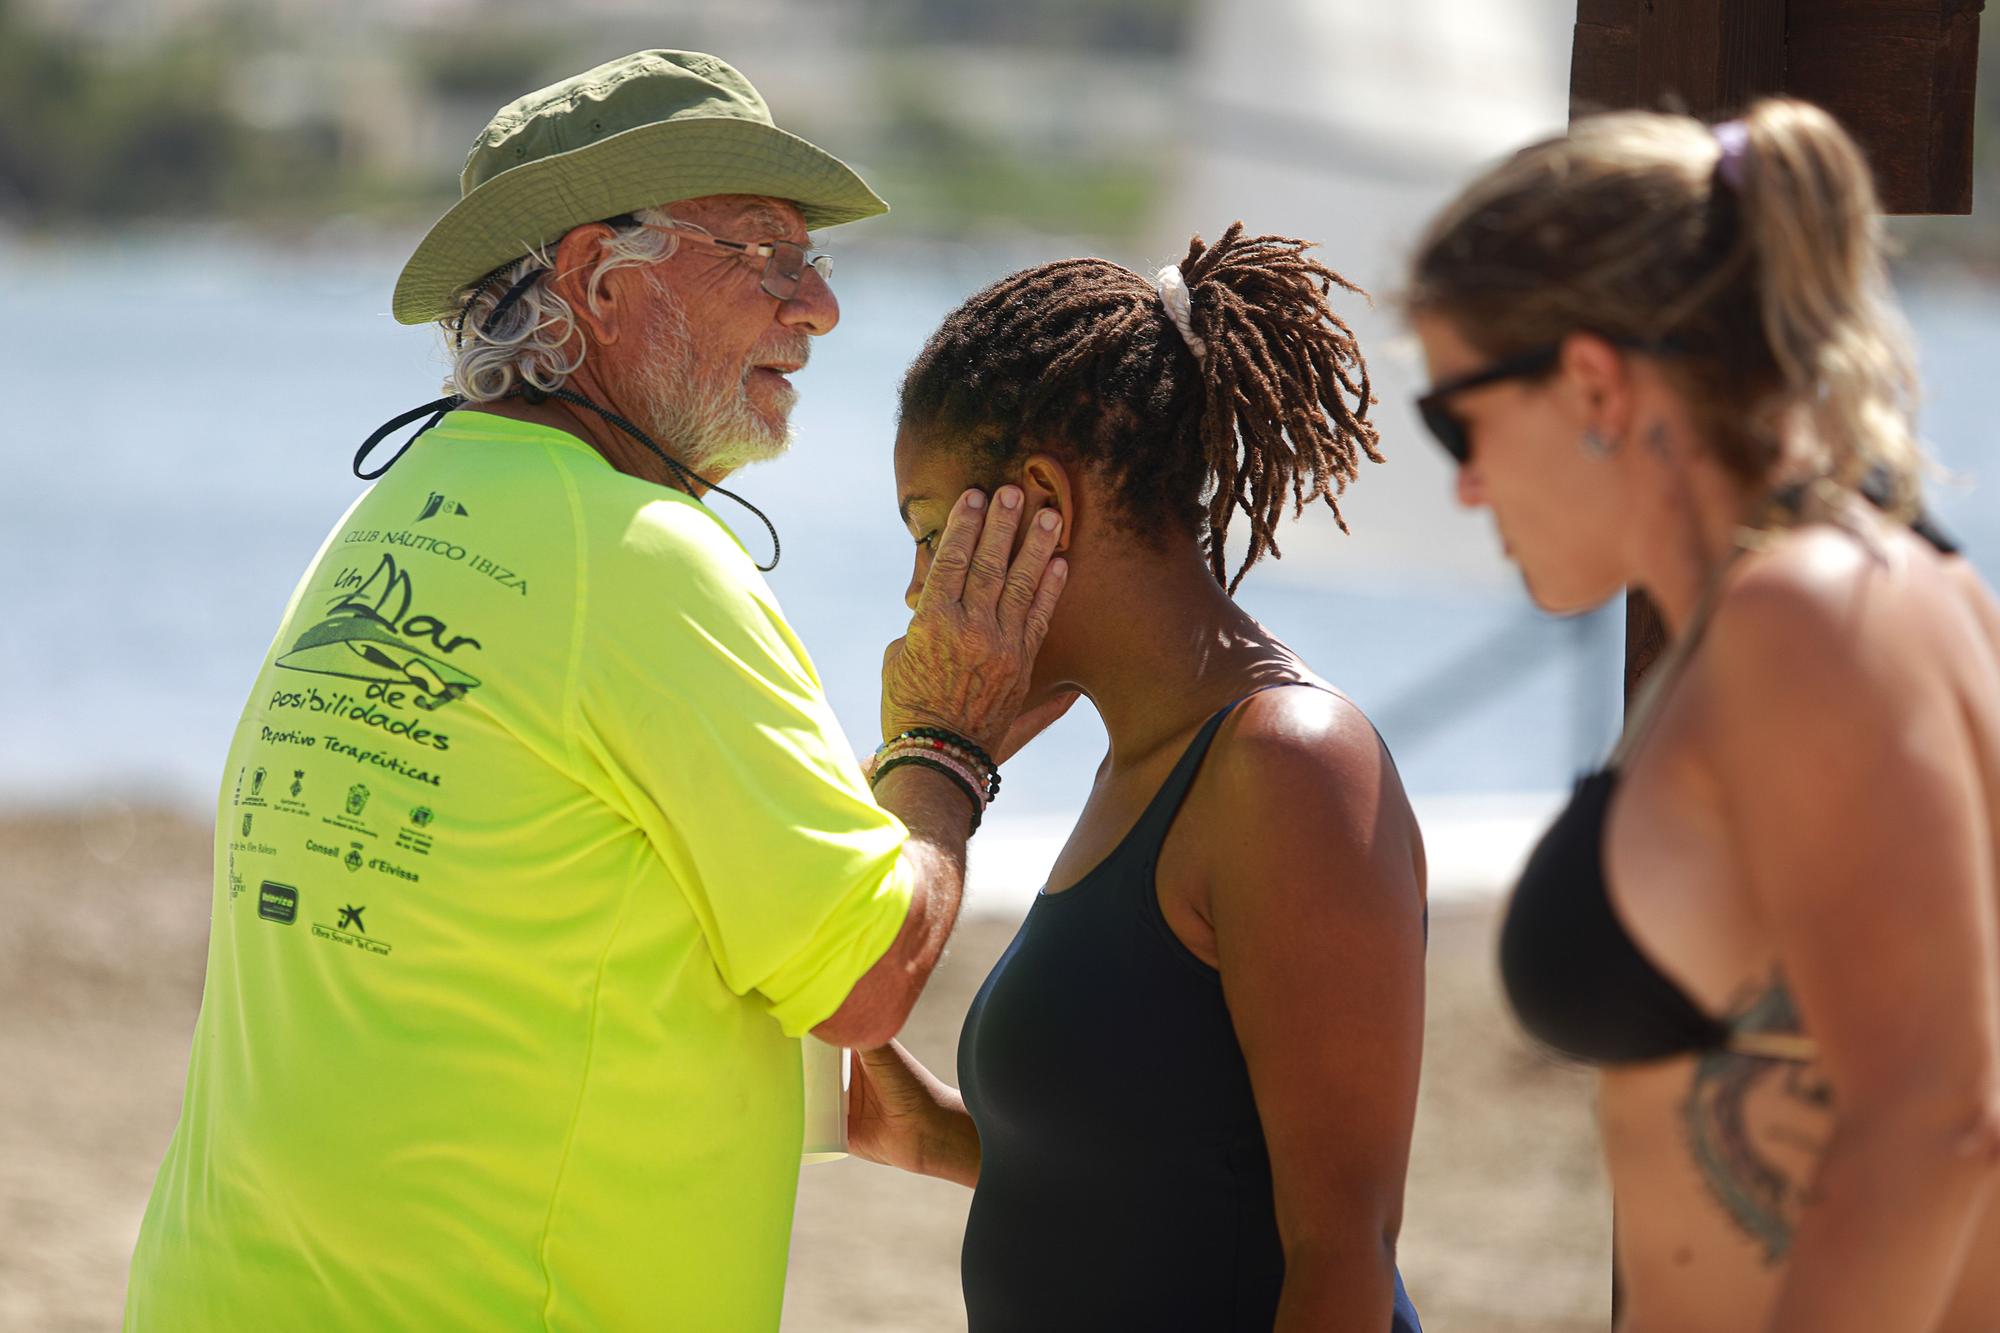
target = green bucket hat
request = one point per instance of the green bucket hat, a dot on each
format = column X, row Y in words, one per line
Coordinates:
column 645, row 129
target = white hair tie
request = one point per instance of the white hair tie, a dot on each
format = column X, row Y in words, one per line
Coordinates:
column 1174, row 296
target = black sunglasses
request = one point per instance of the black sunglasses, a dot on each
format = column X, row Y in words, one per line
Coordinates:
column 1450, row 430
column 1447, row 425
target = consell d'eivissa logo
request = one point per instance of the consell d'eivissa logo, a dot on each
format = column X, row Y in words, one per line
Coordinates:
column 371, row 633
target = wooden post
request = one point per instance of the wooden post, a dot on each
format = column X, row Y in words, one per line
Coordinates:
column 1706, row 57
column 1897, row 74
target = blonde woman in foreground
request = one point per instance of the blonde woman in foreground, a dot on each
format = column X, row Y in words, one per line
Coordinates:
column 1663, row 355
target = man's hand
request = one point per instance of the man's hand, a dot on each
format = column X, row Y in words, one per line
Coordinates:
column 898, row 1114
column 888, row 1109
column 964, row 667
column 966, row 661
column 1028, row 723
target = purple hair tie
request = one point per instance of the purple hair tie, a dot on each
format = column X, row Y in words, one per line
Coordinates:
column 1734, row 138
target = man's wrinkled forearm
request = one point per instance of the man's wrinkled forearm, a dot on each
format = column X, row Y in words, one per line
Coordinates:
column 939, row 819
column 950, row 1146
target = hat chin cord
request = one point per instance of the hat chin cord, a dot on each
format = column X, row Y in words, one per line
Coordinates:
column 686, row 476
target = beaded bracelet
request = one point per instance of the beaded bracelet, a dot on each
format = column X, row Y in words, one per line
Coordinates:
column 962, row 780
column 964, row 770
column 964, row 743
column 958, row 763
column 935, row 740
column 985, row 779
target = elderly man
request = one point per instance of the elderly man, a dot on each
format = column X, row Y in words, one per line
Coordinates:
column 539, row 847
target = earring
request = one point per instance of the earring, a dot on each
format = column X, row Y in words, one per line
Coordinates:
column 1595, row 444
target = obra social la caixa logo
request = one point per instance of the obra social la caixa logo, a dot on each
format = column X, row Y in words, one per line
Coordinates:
column 372, row 632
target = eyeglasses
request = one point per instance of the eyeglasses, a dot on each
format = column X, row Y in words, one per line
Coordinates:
column 1447, row 425
column 785, row 262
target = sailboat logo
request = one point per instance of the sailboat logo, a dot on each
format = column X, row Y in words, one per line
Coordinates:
column 441, row 504
column 369, row 634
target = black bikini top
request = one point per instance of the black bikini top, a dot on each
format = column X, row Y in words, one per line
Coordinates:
column 1577, row 980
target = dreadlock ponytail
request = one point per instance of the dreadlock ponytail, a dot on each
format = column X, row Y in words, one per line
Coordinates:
column 1280, row 371
column 1225, row 387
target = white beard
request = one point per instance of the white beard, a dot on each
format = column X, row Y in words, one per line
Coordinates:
column 710, row 427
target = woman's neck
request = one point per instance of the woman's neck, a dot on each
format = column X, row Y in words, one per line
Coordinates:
column 1164, row 646
column 1693, row 533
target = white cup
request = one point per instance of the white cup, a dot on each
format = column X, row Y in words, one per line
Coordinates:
column 826, row 1075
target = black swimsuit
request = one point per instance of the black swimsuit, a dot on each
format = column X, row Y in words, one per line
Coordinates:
column 1577, row 980
column 1124, row 1182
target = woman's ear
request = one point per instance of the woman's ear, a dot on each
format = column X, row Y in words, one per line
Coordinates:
column 576, row 257
column 1599, row 382
column 1045, row 484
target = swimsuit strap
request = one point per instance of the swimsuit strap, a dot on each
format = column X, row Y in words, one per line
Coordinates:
column 1666, row 673
column 1161, row 811
column 1793, row 1046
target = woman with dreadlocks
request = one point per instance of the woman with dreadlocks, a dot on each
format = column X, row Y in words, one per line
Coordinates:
column 1188, row 1084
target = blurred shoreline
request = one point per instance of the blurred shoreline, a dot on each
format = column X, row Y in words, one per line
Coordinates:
column 1039, row 116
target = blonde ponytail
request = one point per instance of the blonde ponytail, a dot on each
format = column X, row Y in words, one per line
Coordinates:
column 1812, row 221
column 1763, row 274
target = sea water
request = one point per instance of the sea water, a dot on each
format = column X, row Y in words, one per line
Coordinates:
column 184, row 411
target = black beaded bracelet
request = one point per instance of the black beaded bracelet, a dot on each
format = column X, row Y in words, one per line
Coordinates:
column 957, row 746
column 978, row 810
column 966, row 744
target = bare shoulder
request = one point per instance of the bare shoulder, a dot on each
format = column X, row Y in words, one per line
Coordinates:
column 1978, row 598
column 1284, row 737
column 1313, row 754
column 1821, row 626
column 1819, row 606
column 1805, row 574
column 1301, row 813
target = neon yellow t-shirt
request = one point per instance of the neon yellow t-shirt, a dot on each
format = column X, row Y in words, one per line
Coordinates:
column 538, row 848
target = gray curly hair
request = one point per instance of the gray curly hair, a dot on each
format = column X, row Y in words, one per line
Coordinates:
column 505, row 339
column 534, row 341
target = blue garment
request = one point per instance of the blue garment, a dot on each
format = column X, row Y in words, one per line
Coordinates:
column 1123, row 1179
